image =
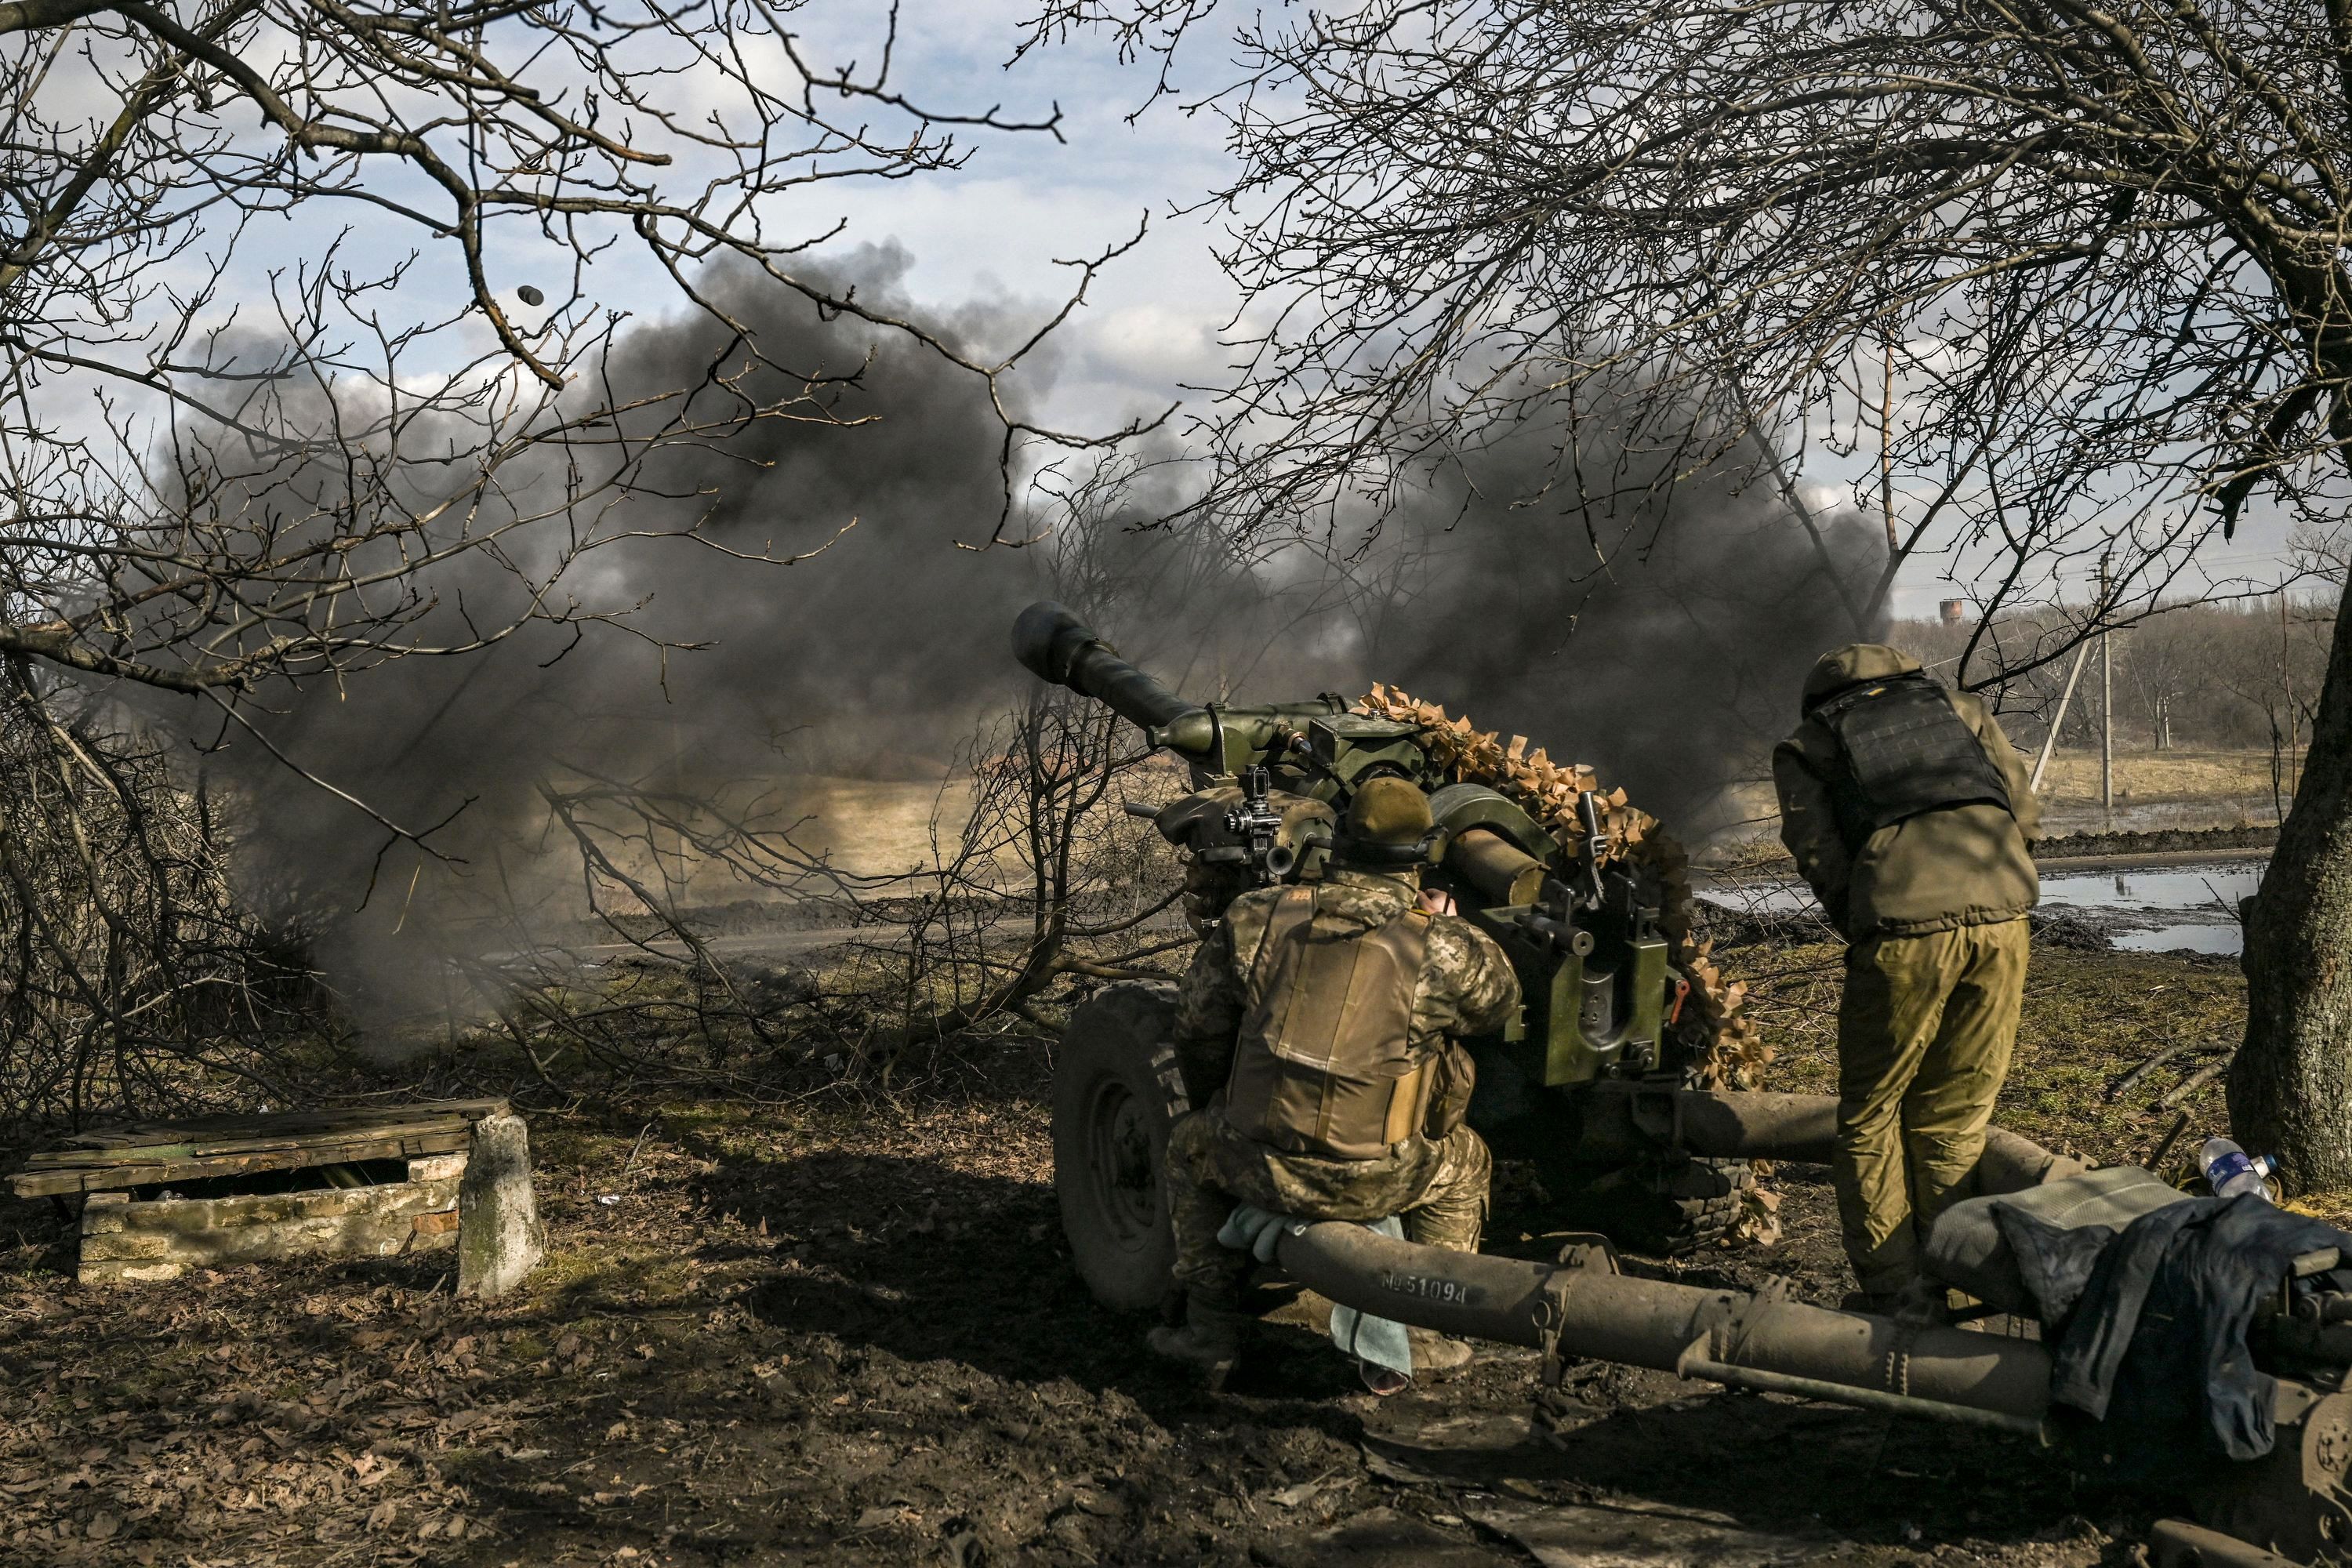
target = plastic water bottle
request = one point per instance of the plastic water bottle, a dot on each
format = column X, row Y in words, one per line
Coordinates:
column 2230, row 1170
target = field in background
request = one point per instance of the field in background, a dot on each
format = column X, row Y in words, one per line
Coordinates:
column 2148, row 777
column 875, row 828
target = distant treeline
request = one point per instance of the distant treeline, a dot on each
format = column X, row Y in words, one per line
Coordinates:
column 2244, row 676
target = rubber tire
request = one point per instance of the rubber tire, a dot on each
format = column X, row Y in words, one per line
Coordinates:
column 1669, row 1206
column 1116, row 1091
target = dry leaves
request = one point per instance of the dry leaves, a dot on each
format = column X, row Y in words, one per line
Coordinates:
column 272, row 1441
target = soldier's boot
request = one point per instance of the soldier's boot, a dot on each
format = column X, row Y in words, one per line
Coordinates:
column 1436, row 1354
column 1210, row 1343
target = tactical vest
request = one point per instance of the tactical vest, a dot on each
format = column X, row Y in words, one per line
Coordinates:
column 1321, row 1067
column 1906, row 750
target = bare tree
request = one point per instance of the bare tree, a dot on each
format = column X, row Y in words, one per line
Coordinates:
column 131, row 971
column 298, row 306
column 2104, row 242
column 306, row 309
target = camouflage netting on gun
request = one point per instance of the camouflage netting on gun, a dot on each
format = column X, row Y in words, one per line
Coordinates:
column 1728, row 1050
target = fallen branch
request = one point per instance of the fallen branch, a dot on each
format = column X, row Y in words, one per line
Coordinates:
column 2197, row 1081
column 2125, row 1084
column 2164, row 1144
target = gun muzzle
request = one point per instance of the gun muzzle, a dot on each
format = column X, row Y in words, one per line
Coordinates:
column 1054, row 645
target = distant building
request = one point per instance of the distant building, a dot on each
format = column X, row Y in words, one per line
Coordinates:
column 1953, row 611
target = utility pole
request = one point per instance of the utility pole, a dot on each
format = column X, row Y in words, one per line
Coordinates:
column 2106, row 708
column 2050, row 740
column 1886, row 450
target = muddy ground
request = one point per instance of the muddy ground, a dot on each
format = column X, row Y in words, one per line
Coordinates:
column 843, row 1329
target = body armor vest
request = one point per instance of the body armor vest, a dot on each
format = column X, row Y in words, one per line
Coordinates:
column 1906, row 750
column 1322, row 1066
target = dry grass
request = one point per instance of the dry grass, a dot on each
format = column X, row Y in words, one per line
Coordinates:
column 878, row 827
column 2146, row 776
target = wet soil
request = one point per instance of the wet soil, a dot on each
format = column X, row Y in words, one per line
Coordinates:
column 844, row 1330
column 2169, row 841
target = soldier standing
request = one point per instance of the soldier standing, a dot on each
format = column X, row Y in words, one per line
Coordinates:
column 1329, row 1015
column 1910, row 814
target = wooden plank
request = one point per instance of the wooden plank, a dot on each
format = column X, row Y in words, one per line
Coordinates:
column 276, row 1128
column 210, row 1148
column 238, row 1136
column 247, row 1141
column 141, row 1174
column 224, row 1145
column 104, row 1176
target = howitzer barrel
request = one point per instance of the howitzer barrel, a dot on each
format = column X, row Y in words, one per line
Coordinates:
column 1498, row 869
column 1761, row 1341
column 1054, row 645
column 1626, row 1121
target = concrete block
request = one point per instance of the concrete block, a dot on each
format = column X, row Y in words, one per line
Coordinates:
column 188, row 1215
column 113, row 1273
column 111, row 1247
column 136, row 1239
column 436, row 1167
column 168, row 1216
column 499, row 1236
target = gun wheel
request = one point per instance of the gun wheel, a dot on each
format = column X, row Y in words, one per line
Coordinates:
column 1116, row 1091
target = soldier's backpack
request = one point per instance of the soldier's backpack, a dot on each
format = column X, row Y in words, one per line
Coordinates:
column 1322, row 1066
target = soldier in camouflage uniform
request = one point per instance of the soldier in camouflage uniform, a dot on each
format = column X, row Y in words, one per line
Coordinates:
column 1327, row 1018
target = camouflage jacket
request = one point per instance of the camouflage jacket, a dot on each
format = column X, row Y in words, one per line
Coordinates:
column 1466, row 985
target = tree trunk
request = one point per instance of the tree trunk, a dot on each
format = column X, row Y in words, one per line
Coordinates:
column 2291, row 1086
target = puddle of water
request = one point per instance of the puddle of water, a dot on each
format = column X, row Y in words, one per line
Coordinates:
column 2222, row 939
column 2215, row 888
column 2208, row 894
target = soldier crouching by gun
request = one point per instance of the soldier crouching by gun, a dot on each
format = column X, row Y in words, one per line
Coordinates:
column 1330, row 1015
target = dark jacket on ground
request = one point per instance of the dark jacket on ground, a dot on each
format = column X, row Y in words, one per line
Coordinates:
column 1956, row 866
column 2155, row 1347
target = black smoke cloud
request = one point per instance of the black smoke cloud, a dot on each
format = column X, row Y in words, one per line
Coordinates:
column 1661, row 637
column 867, row 658
column 1665, row 664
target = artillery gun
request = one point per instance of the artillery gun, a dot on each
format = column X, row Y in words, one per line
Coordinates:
column 1595, row 1083
column 1594, row 1086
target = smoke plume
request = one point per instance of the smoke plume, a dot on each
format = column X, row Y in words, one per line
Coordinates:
column 1661, row 638
column 1661, row 643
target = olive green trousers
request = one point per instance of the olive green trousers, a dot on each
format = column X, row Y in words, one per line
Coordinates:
column 1925, row 1034
column 1439, row 1189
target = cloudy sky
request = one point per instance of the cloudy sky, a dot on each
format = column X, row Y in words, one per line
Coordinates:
column 993, row 230
column 997, row 226
column 1025, row 201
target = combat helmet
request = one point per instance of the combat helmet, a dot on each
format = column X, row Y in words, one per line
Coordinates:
column 1388, row 829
